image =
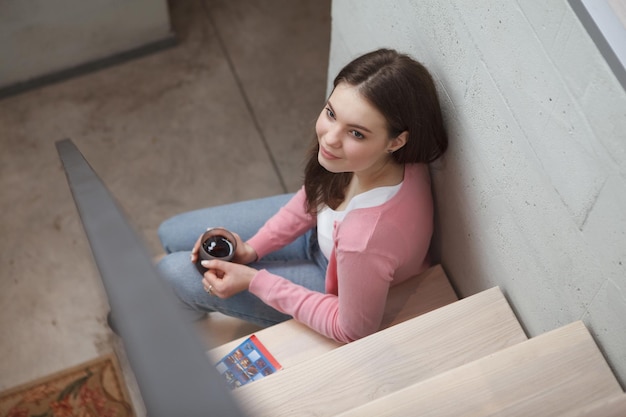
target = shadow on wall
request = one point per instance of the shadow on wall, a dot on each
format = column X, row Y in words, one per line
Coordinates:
column 455, row 236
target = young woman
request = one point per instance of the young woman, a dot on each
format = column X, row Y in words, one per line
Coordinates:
column 328, row 254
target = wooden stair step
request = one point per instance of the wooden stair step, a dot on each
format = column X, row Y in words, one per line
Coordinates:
column 387, row 361
column 292, row 342
column 609, row 407
column 425, row 292
column 547, row 375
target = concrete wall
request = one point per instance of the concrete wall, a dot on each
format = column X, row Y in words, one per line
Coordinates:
column 39, row 37
column 532, row 194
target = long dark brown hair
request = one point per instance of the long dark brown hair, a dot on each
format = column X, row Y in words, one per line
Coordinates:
column 404, row 92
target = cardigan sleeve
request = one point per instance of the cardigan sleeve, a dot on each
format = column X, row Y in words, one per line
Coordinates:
column 374, row 249
column 362, row 276
column 364, row 284
column 284, row 227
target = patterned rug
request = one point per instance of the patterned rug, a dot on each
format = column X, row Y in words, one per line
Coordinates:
column 95, row 388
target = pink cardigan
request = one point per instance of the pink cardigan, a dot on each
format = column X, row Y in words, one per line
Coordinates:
column 374, row 248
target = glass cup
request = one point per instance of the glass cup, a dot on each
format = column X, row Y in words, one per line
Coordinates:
column 217, row 243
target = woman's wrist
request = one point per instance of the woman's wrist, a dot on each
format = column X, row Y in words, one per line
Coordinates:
column 250, row 255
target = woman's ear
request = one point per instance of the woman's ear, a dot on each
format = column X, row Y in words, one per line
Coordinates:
column 399, row 141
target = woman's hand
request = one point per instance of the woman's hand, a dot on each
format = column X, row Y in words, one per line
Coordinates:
column 225, row 279
column 244, row 254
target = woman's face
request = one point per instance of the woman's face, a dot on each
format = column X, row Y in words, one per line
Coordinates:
column 352, row 133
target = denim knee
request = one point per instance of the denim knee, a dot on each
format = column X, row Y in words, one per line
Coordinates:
column 166, row 233
column 182, row 277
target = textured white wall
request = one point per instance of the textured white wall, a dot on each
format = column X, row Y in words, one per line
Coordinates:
column 532, row 193
column 39, row 37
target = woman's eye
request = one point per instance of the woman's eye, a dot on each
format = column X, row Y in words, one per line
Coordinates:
column 330, row 113
column 357, row 134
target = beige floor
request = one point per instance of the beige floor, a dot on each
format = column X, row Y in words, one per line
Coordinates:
column 239, row 95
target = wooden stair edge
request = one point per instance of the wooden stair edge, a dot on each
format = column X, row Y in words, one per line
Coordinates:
column 385, row 361
column 292, row 342
column 613, row 406
column 518, row 374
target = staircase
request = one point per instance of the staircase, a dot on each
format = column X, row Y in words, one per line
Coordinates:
column 435, row 356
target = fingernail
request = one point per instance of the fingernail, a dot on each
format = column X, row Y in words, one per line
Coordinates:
column 205, row 263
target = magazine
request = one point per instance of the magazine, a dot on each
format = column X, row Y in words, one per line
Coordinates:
column 248, row 362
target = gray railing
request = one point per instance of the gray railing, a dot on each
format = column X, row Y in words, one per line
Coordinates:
column 173, row 372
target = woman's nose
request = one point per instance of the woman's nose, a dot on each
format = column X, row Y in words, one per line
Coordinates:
column 332, row 138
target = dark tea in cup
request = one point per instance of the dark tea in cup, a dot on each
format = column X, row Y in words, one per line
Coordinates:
column 217, row 243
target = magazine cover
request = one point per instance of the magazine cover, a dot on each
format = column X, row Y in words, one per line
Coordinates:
column 247, row 362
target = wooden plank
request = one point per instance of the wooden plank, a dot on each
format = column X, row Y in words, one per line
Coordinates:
column 292, row 342
column 548, row 375
column 387, row 361
column 609, row 407
column 426, row 292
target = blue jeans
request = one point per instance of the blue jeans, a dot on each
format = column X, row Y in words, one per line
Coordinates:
column 300, row 262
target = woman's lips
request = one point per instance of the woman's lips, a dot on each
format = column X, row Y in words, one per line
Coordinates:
column 326, row 154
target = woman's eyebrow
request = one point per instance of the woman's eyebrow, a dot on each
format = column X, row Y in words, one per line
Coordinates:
column 349, row 124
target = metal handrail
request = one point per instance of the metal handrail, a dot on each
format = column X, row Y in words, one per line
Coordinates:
column 166, row 355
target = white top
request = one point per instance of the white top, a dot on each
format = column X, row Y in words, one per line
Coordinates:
column 327, row 217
